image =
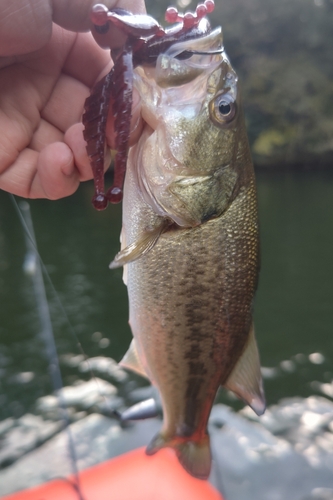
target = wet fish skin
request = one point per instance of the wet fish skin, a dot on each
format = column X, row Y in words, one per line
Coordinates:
column 191, row 295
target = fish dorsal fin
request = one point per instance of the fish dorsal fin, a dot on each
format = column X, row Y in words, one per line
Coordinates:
column 132, row 361
column 245, row 379
column 140, row 247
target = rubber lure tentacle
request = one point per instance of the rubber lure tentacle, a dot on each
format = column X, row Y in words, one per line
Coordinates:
column 94, row 121
column 122, row 105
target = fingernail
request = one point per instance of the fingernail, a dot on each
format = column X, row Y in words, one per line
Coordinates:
column 68, row 169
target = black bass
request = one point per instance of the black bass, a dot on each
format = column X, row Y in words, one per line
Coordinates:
column 190, row 244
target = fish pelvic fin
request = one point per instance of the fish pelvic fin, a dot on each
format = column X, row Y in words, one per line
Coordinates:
column 132, row 362
column 122, row 246
column 140, row 247
column 195, row 456
column 245, row 379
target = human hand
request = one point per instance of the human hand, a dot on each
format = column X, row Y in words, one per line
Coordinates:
column 46, row 71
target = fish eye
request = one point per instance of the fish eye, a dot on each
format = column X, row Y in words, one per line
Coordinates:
column 222, row 110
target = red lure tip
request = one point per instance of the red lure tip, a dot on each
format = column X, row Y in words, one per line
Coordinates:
column 100, row 201
column 189, row 19
column 210, row 6
column 115, row 195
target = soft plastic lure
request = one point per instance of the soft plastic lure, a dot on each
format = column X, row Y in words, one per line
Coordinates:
column 145, row 41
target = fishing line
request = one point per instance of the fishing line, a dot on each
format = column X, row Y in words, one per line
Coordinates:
column 47, row 330
column 32, row 241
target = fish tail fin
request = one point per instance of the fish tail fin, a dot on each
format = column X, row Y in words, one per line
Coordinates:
column 195, row 456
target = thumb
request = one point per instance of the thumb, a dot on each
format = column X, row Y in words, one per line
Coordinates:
column 24, row 26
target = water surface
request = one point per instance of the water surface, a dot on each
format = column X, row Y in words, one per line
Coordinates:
column 293, row 310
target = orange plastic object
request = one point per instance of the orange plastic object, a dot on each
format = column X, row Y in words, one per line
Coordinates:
column 132, row 476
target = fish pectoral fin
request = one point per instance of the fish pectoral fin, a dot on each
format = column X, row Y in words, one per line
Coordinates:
column 245, row 379
column 122, row 246
column 131, row 361
column 195, row 456
column 139, row 247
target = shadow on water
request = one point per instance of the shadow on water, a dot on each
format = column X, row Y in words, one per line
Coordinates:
column 293, row 312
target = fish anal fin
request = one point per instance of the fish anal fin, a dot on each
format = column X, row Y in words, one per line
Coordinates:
column 140, row 247
column 194, row 456
column 245, row 380
column 132, row 362
column 157, row 443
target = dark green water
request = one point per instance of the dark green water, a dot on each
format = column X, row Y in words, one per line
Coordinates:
column 293, row 313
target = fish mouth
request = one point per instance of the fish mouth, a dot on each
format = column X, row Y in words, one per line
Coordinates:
column 177, row 81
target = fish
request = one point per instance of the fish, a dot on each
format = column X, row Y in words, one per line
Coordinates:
column 190, row 244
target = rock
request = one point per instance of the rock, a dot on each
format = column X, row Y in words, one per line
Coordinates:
column 105, row 366
column 23, row 377
column 95, row 438
column 326, row 388
column 24, row 435
column 269, row 372
column 284, row 454
column 82, row 395
column 98, row 364
column 5, row 425
column 320, row 494
column 297, row 419
column 72, row 360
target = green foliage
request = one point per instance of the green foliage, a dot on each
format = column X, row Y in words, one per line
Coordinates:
column 282, row 51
